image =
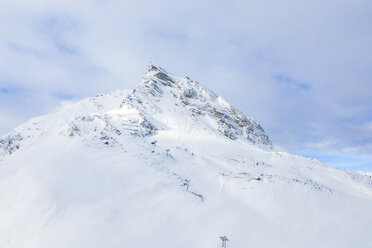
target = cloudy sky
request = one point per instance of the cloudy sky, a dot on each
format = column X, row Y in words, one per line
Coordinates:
column 303, row 69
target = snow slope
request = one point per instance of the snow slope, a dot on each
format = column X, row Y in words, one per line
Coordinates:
column 170, row 164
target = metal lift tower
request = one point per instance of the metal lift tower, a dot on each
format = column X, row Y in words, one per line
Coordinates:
column 224, row 239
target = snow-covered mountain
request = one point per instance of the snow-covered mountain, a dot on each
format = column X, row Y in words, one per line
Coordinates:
column 170, row 164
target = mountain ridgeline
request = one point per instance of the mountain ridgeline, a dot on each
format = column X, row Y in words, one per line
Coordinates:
column 158, row 91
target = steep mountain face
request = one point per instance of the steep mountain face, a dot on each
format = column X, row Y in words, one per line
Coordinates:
column 169, row 164
column 203, row 105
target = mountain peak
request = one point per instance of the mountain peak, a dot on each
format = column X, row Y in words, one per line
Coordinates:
column 202, row 103
column 154, row 68
column 162, row 103
column 160, row 75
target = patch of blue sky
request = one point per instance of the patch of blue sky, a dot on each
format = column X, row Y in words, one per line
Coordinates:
column 59, row 24
column 19, row 91
column 172, row 35
column 11, row 90
column 348, row 162
column 292, row 82
column 64, row 47
column 55, row 29
column 63, row 96
column 24, row 50
column 4, row 90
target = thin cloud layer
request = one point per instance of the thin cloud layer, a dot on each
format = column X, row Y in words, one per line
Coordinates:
column 301, row 68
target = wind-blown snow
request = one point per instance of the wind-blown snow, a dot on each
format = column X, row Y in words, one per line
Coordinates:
column 170, row 164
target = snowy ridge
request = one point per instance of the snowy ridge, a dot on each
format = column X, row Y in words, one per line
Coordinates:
column 62, row 122
column 169, row 164
column 140, row 113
